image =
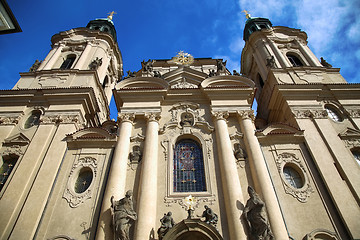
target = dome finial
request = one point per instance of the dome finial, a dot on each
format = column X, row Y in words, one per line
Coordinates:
column 247, row 14
column 111, row 14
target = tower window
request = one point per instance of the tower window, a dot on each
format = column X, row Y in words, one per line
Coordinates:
column 188, row 172
column 70, row 59
column 33, row 119
column 333, row 114
column 356, row 154
column 293, row 177
column 6, row 168
column 295, row 61
column 106, row 81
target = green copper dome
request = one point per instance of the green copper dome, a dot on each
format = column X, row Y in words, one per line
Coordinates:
column 103, row 25
column 255, row 24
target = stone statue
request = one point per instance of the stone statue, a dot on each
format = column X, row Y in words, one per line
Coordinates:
column 210, row 216
column 211, row 73
column 130, row 74
column 221, row 65
column 167, row 222
column 123, row 216
column 35, row 66
column 325, row 63
column 95, row 64
column 270, row 62
column 187, row 119
column 147, row 66
column 135, row 155
column 239, row 152
column 256, row 217
column 235, row 73
column 157, row 74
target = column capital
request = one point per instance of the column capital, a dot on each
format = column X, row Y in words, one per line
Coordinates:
column 220, row 115
column 126, row 117
column 246, row 114
column 152, row 117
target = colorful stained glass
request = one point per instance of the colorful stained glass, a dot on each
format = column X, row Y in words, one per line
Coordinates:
column 189, row 174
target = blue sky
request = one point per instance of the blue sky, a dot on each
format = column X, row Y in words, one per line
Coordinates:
column 158, row 29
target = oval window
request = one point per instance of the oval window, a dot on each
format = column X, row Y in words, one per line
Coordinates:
column 84, row 180
column 334, row 114
column 33, row 119
column 293, row 177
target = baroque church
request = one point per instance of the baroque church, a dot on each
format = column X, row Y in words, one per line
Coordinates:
column 186, row 159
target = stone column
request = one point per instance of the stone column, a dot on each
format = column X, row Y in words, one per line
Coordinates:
column 50, row 64
column 229, row 177
column 260, row 174
column 84, row 57
column 117, row 175
column 147, row 196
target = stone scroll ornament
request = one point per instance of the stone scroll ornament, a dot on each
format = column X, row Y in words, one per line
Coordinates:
column 123, row 216
column 256, row 217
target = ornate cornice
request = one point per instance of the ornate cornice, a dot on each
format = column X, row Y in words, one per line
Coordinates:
column 306, row 113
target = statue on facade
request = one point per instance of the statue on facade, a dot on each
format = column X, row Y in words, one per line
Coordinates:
column 35, row 66
column 235, row 73
column 221, row 66
column 239, row 152
column 210, row 217
column 256, row 217
column 157, row 74
column 270, row 62
column 211, row 73
column 148, row 65
column 130, row 74
column 325, row 63
column 167, row 222
column 136, row 155
column 123, row 216
column 95, row 64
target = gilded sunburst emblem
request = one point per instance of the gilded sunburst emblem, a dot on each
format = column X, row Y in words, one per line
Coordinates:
column 183, row 58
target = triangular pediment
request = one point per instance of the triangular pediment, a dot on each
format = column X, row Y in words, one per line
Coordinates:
column 17, row 139
column 350, row 133
column 184, row 78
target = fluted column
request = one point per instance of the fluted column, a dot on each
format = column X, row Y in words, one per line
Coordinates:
column 147, row 197
column 229, row 177
column 84, row 57
column 50, row 64
column 117, row 175
column 260, row 174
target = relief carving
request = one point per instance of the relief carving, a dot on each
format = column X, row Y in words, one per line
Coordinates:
column 306, row 113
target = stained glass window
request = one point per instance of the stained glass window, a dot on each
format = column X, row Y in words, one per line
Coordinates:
column 189, row 174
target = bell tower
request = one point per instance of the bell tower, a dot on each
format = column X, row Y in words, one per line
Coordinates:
column 81, row 58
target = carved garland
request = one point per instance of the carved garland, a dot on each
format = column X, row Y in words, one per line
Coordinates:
column 75, row 199
column 301, row 194
column 306, row 113
column 169, row 201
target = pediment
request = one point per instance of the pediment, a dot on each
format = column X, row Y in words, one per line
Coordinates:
column 142, row 83
column 184, row 78
column 91, row 133
column 279, row 129
column 17, row 139
column 228, row 81
column 350, row 133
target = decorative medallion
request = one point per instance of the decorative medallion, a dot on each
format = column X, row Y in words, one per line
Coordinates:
column 183, row 58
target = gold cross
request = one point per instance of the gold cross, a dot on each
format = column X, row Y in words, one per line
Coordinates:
column 111, row 14
column 247, row 14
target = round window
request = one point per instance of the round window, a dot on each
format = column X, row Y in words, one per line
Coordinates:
column 33, row 119
column 84, row 180
column 333, row 114
column 293, row 177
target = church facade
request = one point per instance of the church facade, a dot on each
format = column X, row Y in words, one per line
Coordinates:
column 186, row 144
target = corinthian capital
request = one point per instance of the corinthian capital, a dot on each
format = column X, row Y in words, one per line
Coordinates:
column 151, row 117
column 220, row 115
column 126, row 117
column 246, row 114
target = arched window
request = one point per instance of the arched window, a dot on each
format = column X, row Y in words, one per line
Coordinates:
column 356, row 154
column 33, row 119
column 70, row 59
column 295, row 61
column 7, row 166
column 189, row 173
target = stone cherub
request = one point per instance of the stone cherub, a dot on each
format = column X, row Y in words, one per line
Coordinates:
column 95, row 64
column 256, row 217
column 135, row 155
column 167, row 222
column 35, row 66
column 210, row 217
column 148, row 65
column 123, row 216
